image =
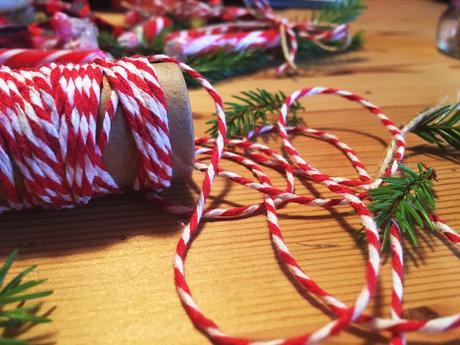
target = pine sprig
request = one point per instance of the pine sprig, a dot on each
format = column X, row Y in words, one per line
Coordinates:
column 441, row 127
column 254, row 108
column 17, row 291
column 407, row 201
column 108, row 42
column 339, row 13
column 223, row 64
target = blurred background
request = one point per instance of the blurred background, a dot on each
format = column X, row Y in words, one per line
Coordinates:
column 104, row 4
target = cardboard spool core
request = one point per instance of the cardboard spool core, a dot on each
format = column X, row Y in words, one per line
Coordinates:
column 120, row 155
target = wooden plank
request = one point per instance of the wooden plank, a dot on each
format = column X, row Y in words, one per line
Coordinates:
column 110, row 263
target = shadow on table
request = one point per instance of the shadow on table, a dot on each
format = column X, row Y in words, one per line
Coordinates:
column 101, row 223
column 15, row 331
column 374, row 137
column 434, row 152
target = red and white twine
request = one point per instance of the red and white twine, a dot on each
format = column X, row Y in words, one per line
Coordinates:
column 22, row 58
column 48, row 131
column 49, row 134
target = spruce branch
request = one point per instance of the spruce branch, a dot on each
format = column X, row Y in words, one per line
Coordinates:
column 17, row 291
column 339, row 13
column 407, row 201
column 441, row 127
column 223, row 64
column 254, row 108
column 108, row 42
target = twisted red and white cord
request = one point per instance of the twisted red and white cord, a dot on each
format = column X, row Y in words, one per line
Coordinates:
column 145, row 33
column 48, row 132
column 397, row 260
column 23, row 58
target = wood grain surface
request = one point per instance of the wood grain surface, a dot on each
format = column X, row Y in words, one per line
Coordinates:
column 110, row 263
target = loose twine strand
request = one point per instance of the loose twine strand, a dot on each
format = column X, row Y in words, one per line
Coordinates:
column 48, row 127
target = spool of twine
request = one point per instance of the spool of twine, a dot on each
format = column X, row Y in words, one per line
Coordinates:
column 120, row 156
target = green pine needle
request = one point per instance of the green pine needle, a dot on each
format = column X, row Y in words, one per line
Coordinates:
column 339, row 13
column 11, row 341
column 18, row 291
column 406, row 200
column 441, row 127
column 222, row 64
column 108, row 42
column 254, row 108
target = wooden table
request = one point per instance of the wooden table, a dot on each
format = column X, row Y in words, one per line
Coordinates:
column 110, row 263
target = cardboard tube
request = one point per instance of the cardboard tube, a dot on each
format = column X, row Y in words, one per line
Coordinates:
column 121, row 157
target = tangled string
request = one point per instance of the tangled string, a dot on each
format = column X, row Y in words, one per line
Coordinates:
column 351, row 192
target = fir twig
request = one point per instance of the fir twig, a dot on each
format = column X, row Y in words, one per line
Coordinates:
column 407, row 201
column 16, row 291
column 108, row 42
column 441, row 127
column 223, row 64
column 339, row 13
column 253, row 108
